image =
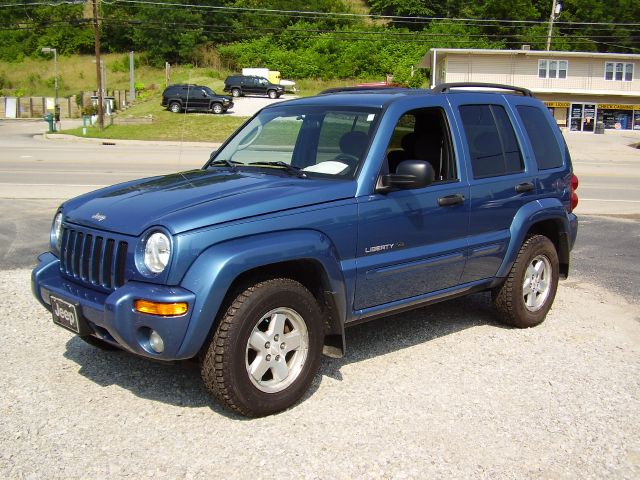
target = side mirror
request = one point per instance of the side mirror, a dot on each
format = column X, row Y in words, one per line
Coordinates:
column 409, row 174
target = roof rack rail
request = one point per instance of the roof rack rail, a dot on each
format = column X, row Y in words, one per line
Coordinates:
column 377, row 88
column 446, row 87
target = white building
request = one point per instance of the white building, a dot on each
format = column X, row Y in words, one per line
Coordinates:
column 580, row 88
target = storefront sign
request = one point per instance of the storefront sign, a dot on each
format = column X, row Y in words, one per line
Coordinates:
column 557, row 104
column 616, row 106
column 576, row 110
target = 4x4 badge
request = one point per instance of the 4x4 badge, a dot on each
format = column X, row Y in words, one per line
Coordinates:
column 99, row 217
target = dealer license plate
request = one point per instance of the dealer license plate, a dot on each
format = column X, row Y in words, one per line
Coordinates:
column 65, row 314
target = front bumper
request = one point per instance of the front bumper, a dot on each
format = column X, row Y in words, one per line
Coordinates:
column 111, row 316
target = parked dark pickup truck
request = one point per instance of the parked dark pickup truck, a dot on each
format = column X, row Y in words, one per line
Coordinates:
column 239, row 85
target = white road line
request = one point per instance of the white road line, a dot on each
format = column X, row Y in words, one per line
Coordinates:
column 51, row 185
column 606, row 200
column 608, row 187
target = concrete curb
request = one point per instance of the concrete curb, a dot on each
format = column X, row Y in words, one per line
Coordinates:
column 109, row 141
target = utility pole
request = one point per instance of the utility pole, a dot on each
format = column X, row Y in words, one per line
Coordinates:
column 132, row 83
column 555, row 10
column 96, row 30
column 55, row 74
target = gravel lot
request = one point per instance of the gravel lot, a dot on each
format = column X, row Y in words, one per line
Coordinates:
column 438, row 392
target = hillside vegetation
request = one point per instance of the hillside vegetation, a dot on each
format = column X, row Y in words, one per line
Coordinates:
column 327, row 39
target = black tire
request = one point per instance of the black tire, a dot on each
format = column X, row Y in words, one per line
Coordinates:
column 101, row 344
column 229, row 355
column 272, row 94
column 175, row 107
column 537, row 259
column 217, row 108
column 236, row 92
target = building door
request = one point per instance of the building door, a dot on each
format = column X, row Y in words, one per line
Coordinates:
column 583, row 117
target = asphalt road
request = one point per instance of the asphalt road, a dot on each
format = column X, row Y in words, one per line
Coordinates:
column 37, row 175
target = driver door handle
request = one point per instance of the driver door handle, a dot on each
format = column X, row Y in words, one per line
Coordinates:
column 450, row 200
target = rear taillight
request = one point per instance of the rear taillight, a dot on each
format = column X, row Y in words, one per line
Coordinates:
column 574, row 196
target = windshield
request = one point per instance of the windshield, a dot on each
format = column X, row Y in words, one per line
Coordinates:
column 319, row 141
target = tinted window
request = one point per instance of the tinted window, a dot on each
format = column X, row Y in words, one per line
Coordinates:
column 492, row 142
column 543, row 141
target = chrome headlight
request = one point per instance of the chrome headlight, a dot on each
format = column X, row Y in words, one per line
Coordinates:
column 56, row 232
column 157, row 252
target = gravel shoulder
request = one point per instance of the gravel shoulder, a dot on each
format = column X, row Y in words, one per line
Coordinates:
column 438, row 392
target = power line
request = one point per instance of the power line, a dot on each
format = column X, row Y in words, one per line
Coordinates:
column 351, row 15
column 232, row 30
column 311, row 14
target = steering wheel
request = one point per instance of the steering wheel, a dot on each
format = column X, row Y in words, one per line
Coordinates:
column 350, row 160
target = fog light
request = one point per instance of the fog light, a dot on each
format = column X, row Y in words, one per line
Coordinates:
column 162, row 309
column 156, row 342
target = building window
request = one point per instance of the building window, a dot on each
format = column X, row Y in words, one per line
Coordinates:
column 552, row 68
column 618, row 71
column 628, row 72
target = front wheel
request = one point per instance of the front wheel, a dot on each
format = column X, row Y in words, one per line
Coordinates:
column 217, row 108
column 272, row 94
column 266, row 349
column 175, row 107
column 526, row 296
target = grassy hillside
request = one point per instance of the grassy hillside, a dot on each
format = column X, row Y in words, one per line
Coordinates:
column 77, row 73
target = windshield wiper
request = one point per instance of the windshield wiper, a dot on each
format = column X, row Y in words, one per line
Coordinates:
column 289, row 168
column 229, row 163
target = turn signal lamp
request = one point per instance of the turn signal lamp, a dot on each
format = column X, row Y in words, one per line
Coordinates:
column 162, row 309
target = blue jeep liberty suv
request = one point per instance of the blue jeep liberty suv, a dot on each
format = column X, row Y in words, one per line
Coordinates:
column 319, row 213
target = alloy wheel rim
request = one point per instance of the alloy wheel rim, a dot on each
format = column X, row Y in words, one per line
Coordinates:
column 537, row 283
column 277, row 350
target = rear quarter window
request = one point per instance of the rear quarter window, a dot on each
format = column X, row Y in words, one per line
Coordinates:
column 541, row 136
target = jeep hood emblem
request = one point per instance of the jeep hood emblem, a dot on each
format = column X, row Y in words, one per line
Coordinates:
column 99, row 217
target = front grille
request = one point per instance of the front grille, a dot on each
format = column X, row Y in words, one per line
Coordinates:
column 93, row 259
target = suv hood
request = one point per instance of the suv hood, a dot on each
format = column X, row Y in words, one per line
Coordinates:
column 198, row 198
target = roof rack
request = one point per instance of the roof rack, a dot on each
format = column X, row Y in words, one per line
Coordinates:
column 447, row 87
column 378, row 88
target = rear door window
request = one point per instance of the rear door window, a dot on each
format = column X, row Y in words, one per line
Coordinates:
column 492, row 141
column 541, row 136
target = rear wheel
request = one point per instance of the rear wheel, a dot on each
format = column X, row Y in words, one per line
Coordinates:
column 266, row 349
column 235, row 92
column 272, row 94
column 217, row 108
column 175, row 107
column 526, row 296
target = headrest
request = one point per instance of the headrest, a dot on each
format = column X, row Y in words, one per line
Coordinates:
column 354, row 143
